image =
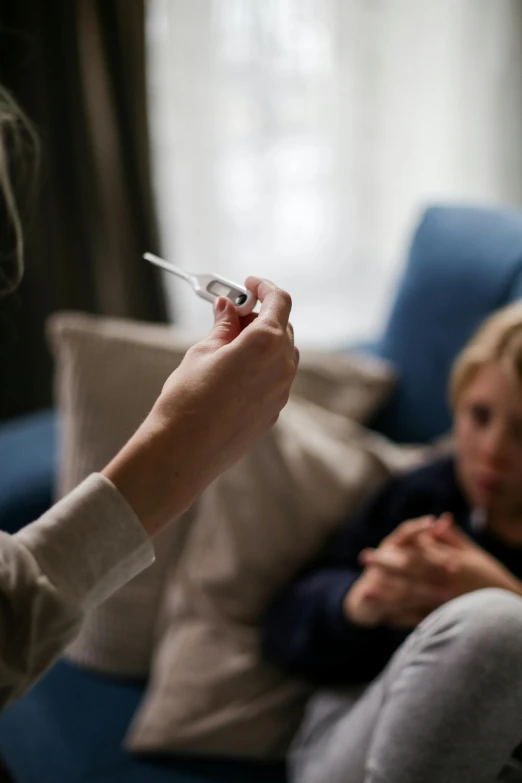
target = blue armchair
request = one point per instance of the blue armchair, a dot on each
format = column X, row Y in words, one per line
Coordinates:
column 463, row 264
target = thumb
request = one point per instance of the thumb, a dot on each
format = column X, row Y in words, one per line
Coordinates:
column 446, row 530
column 227, row 325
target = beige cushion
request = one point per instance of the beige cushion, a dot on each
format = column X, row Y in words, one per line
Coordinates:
column 194, row 613
column 210, row 689
column 353, row 385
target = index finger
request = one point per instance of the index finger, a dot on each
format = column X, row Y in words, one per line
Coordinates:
column 408, row 531
column 276, row 304
column 430, row 563
column 391, row 559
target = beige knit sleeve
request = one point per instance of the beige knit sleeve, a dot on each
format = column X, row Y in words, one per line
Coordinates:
column 52, row 571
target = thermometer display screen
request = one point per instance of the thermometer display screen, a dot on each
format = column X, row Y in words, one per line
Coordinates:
column 219, row 289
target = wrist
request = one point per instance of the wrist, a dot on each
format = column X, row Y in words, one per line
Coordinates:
column 156, row 472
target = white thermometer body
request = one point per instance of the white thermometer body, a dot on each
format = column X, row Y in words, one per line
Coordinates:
column 210, row 286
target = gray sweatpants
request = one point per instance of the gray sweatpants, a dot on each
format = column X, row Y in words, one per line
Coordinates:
column 446, row 709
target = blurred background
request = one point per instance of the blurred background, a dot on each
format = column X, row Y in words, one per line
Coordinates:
column 294, row 139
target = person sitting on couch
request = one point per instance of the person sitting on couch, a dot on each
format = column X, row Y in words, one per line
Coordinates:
column 410, row 622
column 228, row 390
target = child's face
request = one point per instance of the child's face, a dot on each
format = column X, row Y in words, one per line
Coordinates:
column 488, row 441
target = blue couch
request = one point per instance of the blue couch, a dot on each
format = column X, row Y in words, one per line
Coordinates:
column 463, row 264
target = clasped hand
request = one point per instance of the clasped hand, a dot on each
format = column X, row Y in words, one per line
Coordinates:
column 421, row 565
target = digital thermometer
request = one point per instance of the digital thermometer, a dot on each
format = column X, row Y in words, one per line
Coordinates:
column 210, row 287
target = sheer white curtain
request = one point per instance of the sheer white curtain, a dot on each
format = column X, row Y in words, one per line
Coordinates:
column 299, row 139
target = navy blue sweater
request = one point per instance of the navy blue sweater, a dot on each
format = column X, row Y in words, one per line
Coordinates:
column 305, row 630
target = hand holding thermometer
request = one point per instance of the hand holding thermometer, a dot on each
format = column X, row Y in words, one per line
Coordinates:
column 210, row 287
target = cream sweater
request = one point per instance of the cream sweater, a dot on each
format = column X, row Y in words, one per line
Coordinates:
column 54, row 570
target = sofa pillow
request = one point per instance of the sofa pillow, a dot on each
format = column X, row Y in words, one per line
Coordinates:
column 108, row 374
column 210, row 689
column 354, row 385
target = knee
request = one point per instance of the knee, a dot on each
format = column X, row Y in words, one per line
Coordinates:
column 487, row 624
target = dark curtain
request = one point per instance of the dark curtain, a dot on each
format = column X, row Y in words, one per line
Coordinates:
column 77, row 67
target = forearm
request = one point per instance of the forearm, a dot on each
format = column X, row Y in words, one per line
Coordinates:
column 161, row 470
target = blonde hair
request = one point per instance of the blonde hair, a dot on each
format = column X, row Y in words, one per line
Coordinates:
column 499, row 340
column 19, row 156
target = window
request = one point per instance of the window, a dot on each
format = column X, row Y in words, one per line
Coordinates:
column 299, row 140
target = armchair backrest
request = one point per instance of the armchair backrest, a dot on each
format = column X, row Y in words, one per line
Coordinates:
column 464, row 263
